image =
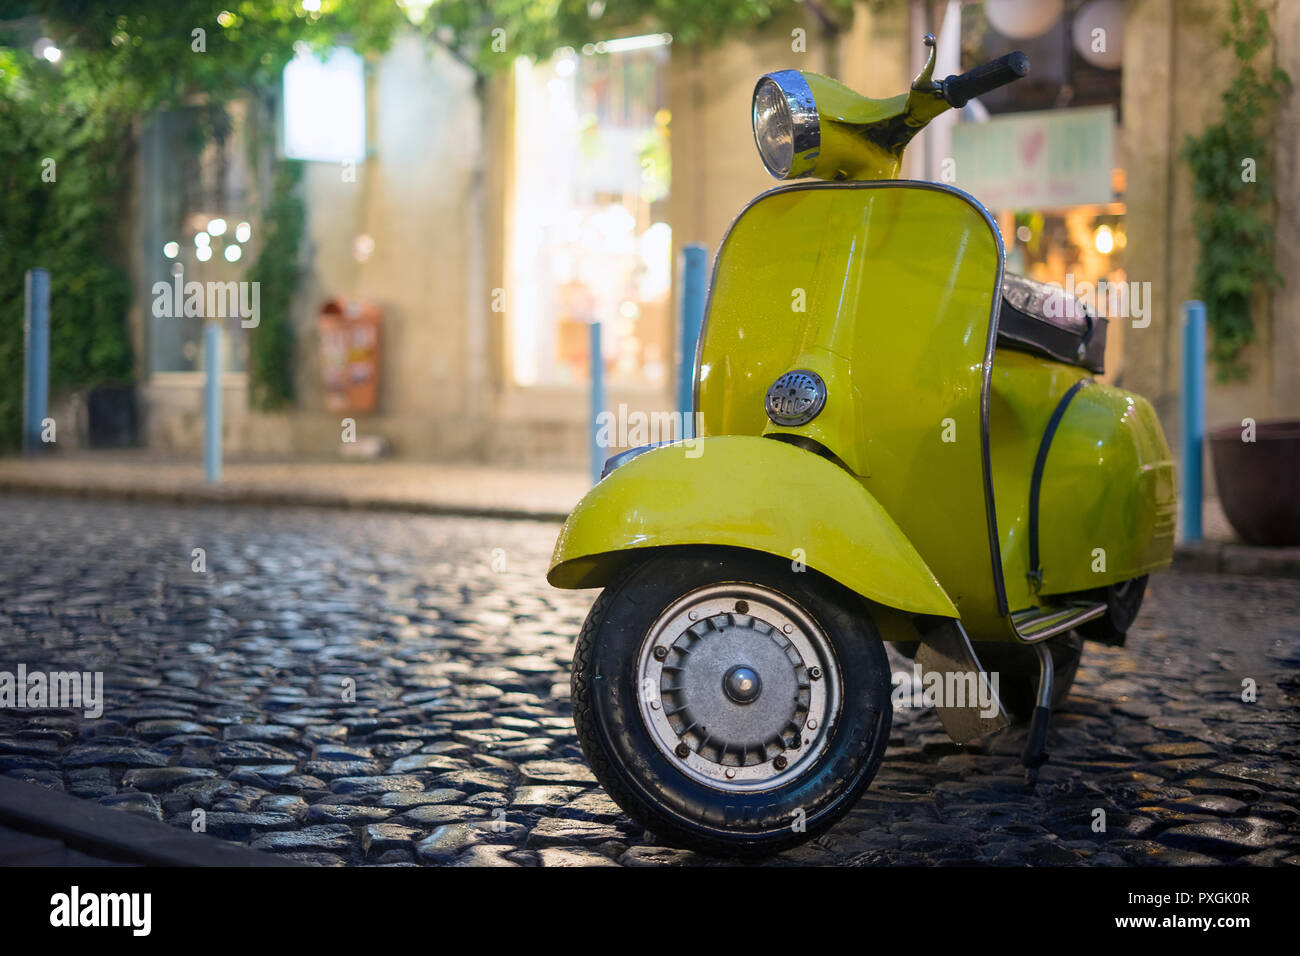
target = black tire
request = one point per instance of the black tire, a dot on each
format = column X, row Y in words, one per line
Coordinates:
column 637, row 774
column 1017, row 668
column 1123, row 601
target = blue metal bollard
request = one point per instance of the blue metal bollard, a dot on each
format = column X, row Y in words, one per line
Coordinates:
column 212, row 402
column 1193, row 418
column 695, row 284
column 36, row 358
column 597, row 403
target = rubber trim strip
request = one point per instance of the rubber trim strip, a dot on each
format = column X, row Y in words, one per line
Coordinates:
column 1035, row 484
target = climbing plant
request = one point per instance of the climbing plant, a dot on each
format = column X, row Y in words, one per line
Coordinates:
column 1233, row 191
column 490, row 33
column 277, row 270
column 57, row 173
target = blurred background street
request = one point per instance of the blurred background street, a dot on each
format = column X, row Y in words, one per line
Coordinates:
column 311, row 312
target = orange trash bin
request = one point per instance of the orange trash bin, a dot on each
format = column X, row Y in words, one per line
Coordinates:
column 349, row 344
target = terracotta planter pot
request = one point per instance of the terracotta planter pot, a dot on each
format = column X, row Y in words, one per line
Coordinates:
column 1259, row 481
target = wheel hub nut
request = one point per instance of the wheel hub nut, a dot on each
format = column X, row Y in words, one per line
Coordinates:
column 780, row 762
column 683, row 751
column 742, row 685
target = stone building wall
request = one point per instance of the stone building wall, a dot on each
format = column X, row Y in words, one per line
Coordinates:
column 418, row 197
column 1175, row 69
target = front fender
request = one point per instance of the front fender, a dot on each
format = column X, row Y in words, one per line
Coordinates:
column 746, row 492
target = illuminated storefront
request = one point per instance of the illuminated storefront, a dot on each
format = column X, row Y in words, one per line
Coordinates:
column 587, row 231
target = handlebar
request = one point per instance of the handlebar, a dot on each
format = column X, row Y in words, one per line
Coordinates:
column 958, row 90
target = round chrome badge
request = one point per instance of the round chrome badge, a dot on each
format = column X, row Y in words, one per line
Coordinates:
column 796, row 398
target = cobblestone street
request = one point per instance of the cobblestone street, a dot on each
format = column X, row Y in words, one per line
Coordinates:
column 347, row 688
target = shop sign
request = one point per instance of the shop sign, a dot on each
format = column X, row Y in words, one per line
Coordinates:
column 1040, row 160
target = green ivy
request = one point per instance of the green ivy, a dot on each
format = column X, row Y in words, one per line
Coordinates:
column 489, row 34
column 1233, row 216
column 277, row 269
column 60, row 165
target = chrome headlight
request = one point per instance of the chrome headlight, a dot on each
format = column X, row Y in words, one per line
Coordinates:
column 786, row 129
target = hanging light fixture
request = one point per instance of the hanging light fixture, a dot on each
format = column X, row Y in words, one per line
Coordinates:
column 1023, row 19
column 1098, row 33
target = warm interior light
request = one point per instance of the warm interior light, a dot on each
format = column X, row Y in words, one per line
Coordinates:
column 46, row 50
column 1104, row 240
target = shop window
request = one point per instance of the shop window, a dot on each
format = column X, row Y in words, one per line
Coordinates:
column 1043, row 159
column 196, row 228
column 588, row 236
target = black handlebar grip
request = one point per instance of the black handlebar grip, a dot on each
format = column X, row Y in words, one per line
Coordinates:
column 958, row 90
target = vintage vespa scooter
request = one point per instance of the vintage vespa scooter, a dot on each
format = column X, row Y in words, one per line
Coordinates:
column 899, row 443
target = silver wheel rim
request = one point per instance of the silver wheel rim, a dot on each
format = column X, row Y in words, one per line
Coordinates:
column 738, row 687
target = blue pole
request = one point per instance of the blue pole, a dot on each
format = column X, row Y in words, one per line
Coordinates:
column 212, row 402
column 597, row 403
column 695, row 264
column 36, row 358
column 1193, row 437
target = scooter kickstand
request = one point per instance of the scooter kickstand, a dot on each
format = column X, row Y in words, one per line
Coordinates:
column 1035, row 752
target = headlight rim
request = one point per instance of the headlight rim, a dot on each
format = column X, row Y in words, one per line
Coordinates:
column 805, row 120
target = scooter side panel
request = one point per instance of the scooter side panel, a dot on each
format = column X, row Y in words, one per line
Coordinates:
column 746, row 492
column 1109, row 499
column 1026, row 390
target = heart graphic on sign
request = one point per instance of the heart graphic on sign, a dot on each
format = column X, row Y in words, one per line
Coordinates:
column 1031, row 145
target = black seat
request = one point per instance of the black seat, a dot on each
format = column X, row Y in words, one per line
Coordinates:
column 1040, row 318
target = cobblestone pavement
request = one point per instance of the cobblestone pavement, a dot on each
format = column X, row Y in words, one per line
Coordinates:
column 225, row 692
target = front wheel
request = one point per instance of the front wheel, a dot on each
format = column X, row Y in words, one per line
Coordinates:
column 728, row 703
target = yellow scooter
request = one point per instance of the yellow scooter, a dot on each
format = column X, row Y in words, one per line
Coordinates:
column 898, row 443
